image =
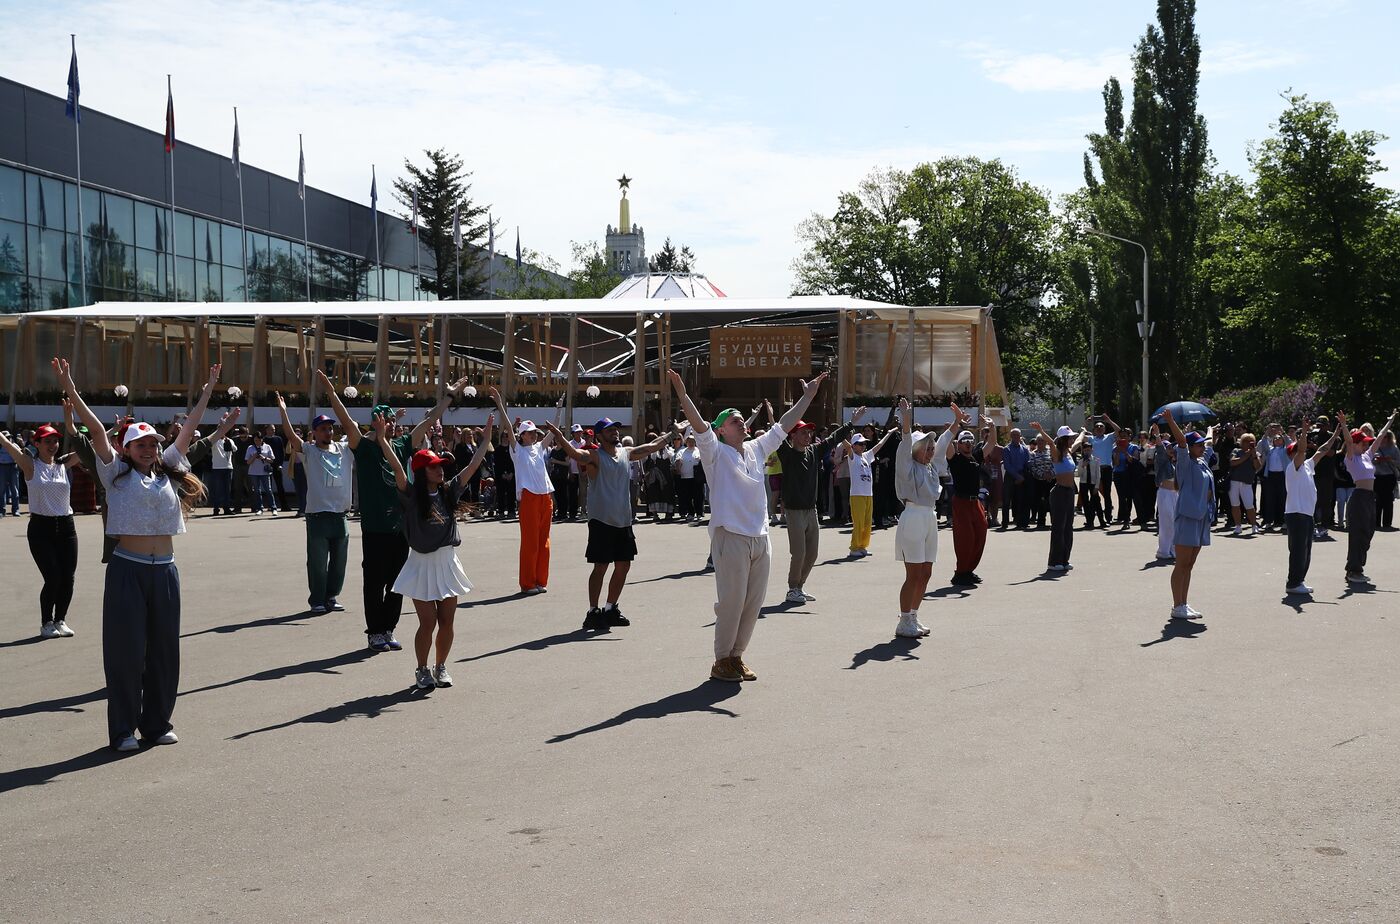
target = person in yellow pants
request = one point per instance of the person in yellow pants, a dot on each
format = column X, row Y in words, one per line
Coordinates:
column 862, row 458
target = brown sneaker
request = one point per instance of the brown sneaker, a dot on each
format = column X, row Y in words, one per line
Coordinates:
column 743, row 669
column 724, row 669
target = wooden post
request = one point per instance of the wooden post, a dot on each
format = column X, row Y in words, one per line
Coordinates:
column 255, row 387
column 444, row 337
column 134, row 379
column 572, row 394
column 76, row 362
column 202, row 363
column 665, row 363
column 317, row 358
column 982, row 318
column 974, row 361
column 843, row 361
column 508, row 362
column 638, row 376
column 383, row 387
column 14, row 367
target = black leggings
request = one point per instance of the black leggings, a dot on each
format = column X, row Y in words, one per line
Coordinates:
column 54, row 544
column 1061, row 524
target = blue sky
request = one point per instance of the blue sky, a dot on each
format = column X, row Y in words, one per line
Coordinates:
column 737, row 120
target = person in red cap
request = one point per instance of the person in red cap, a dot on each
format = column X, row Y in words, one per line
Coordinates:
column 1360, row 463
column 800, row 459
column 432, row 577
column 53, row 541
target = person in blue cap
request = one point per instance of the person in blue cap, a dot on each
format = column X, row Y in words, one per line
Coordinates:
column 607, row 466
column 330, row 470
column 1195, row 511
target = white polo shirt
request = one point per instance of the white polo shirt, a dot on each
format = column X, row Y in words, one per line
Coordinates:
column 738, row 486
column 530, row 471
column 1302, row 490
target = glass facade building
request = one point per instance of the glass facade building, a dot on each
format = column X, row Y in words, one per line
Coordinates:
column 133, row 250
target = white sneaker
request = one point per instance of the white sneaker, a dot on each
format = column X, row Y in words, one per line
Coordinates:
column 1193, row 613
column 1359, row 578
column 923, row 629
column 1181, row 612
column 908, row 626
column 1301, row 590
column 128, row 744
column 63, row 629
column 168, row 738
column 440, row 676
column 794, row 595
column 806, row 596
column 423, row 679
column 50, row 630
column 1238, row 530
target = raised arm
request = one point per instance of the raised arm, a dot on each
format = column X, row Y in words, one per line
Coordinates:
column 1108, row 422
column 347, row 423
column 880, row 444
column 191, row 424
column 1386, row 429
column 961, row 421
column 381, row 435
column 570, row 450
column 290, row 435
column 692, row 413
column 22, row 459
column 482, row 450
column 799, row 407
column 437, row 410
column 505, row 415
column 752, row 418
column 1054, row 447
column 906, row 417
column 1178, row 438
column 991, row 438
column 226, row 424
column 101, row 445
column 647, row 449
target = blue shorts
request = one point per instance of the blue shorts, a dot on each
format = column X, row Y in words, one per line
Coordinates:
column 1191, row 532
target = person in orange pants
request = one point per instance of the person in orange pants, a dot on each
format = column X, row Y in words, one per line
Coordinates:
column 969, row 516
column 529, row 450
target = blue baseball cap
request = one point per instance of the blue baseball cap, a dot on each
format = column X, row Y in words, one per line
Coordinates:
column 605, row 423
column 322, row 419
column 1193, row 438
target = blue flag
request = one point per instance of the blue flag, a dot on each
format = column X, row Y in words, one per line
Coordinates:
column 373, row 189
column 71, row 109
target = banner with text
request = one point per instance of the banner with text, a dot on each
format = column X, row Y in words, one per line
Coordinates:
column 760, row 352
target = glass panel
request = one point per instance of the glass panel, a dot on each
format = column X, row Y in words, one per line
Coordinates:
column 184, row 274
column 232, row 246
column 120, row 221
column 207, row 242
column 257, row 250
column 148, row 220
column 207, row 275
column 92, row 211
column 70, row 207
column 11, row 264
column 299, row 260
column 233, row 284
column 372, row 284
column 51, row 208
column 184, row 235
column 148, row 281
column 11, row 194
column 118, row 266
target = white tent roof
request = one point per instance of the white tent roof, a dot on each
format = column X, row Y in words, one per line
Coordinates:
column 666, row 285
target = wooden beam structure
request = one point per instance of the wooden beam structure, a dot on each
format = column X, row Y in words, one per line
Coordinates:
column 259, row 370
column 638, row 377
column 134, row 378
column 317, row 358
column 508, row 362
column 383, row 377
column 572, row 386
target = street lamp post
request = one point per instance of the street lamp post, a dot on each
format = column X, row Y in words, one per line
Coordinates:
column 1145, row 327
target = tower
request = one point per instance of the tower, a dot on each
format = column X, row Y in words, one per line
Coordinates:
column 626, row 244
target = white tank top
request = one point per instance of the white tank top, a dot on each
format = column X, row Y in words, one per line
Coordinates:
column 49, row 490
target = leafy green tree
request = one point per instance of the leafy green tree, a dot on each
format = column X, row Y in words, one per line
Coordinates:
column 442, row 187
column 670, row 260
column 960, row 231
column 591, row 276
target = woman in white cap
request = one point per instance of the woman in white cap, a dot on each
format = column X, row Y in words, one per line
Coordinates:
column 1360, row 463
column 529, row 451
column 53, row 541
column 1062, row 494
column 917, row 461
column 149, row 491
column 969, row 516
column 1195, row 512
column 860, row 457
column 432, row 576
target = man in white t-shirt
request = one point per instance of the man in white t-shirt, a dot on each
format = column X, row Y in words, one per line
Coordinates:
column 330, row 470
column 739, row 546
column 1298, row 507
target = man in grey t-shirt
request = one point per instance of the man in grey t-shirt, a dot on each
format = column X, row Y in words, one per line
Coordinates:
column 610, row 540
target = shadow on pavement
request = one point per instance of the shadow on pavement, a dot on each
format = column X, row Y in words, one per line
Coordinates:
column 679, row 575
column 323, row 666
column 1159, row 563
column 506, row 598
column 704, row 698
column 289, row 619
column 62, row 704
column 37, row 776
column 948, row 591
column 366, row 707
column 549, row 641
column 1177, row 628
column 901, row 648
column 22, row 641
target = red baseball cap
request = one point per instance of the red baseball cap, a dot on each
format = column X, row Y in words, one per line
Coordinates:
column 425, row 457
column 1361, row 436
column 45, row 432
column 804, row 425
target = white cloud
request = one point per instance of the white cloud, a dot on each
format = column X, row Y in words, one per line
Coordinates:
column 1029, row 72
column 544, row 136
column 1220, row 59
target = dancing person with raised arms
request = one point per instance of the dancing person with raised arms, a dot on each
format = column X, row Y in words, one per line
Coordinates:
column 1062, row 495
column 607, row 468
column 149, row 493
column 800, row 457
column 329, row 470
column 529, row 450
column 739, row 544
column 432, row 576
column 916, row 481
column 969, row 516
column 1195, row 512
column 1360, row 462
column 1300, row 503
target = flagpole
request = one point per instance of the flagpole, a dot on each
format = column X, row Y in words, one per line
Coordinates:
column 78, row 143
column 170, row 127
column 305, row 237
column 457, row 247
column 242, row 222
column 374, row 217
column 490, row 257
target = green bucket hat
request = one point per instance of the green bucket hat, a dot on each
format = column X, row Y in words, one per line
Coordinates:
column 723, row 416
column 381, row 410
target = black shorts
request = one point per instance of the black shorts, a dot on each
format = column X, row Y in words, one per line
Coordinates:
column 609, row 543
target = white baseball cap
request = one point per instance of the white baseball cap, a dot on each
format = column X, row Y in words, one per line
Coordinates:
column 576, row 428
column 1063, row 431
column 138, row 431
column 527, row 426
column 858, row 438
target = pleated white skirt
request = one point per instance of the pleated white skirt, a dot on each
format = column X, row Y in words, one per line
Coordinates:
column 434, row 576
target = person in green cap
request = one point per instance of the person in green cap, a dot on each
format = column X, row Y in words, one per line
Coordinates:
column 739, row 542
column 383, row 545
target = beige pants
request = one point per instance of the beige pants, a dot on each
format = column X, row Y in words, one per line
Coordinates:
column 741, row 578
column 802, row 532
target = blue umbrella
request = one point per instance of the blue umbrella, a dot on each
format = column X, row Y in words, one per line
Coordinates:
column 1185, row 412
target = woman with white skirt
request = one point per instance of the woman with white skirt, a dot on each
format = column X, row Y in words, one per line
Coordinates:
column 432, row 577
